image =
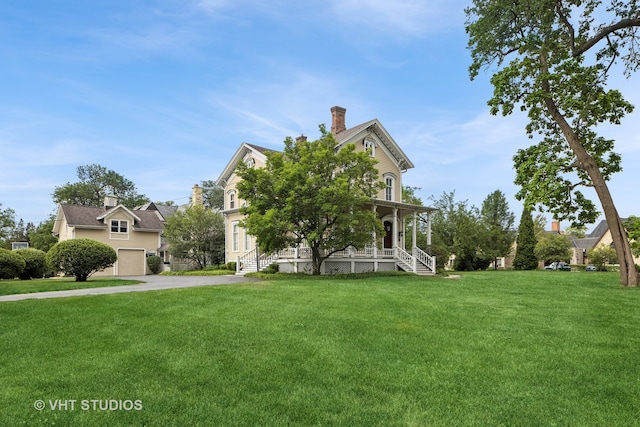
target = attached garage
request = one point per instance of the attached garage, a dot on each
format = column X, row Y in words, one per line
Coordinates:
column 131, row 262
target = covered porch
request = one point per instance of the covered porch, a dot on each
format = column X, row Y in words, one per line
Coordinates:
column 386, row 252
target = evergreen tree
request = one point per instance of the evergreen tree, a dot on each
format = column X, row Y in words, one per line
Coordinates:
column 497, row 221
column 525, row 258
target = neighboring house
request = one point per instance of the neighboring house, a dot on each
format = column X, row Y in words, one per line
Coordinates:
column 385, row 254
column 600, row 235
column 133, row 234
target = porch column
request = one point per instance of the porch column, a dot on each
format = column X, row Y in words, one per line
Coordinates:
column 395, row 228
column 429, row 228
column 414, row 231
column 375, row 238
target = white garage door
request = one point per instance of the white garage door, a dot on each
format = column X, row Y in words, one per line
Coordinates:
column 131, row 262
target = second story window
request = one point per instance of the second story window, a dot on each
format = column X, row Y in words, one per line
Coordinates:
column 388, row 190
column 119, row 226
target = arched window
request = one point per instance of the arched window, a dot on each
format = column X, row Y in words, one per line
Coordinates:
column 370, row 146
column 389, row 187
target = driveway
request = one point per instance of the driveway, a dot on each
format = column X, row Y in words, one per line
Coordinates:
column 151, row 283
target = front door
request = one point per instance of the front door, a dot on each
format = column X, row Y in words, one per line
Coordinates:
column 388, row 235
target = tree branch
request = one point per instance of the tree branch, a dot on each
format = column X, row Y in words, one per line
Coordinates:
column 604, row 32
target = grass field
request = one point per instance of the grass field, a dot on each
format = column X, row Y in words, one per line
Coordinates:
column 490, row 348
column 10, row 287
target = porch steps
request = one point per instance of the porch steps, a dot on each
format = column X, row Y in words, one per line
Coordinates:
column 248, row 268
column 421, row 269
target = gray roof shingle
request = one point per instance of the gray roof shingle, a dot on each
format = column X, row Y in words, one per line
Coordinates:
column 87, row 217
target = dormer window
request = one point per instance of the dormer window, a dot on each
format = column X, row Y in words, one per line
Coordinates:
column 370, row 146
column 119, row 226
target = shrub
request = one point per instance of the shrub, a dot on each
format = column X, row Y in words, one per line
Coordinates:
column 35, row 263
column 81, row 257
column 11, row 264
column 155, row 263
column 231, row 265
column 271, row 269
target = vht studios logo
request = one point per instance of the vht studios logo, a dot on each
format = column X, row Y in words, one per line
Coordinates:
column 88, row 405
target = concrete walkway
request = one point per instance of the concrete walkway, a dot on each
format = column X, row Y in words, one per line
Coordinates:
column 151, row 283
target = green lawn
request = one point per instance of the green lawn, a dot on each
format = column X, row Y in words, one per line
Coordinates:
column 490, row 348
column 10, row 287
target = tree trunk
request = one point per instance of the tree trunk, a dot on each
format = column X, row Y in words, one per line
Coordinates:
column 628, row 272
column 316, row 260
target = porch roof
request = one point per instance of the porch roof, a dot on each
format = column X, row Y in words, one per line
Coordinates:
column 403, row 207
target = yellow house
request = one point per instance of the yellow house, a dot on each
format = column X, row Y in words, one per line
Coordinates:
column 600, row 235
column 133, row 234
column 385, row 252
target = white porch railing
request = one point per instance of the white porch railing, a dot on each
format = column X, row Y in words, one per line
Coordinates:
column 404, row 258
column 249, row 261
column 415, row 261
column 426, row 259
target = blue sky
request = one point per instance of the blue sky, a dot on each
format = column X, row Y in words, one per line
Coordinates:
column 164, row 91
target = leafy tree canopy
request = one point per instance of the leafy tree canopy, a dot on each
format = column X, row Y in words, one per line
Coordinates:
column 196, row 234
column 96, row 182
column 40, row 237
column 633, row 228
column 553, row 247
column 601, row 256
column 540, row 48
column 497, row 221
column 312, row 193
column 212, row 195
column 456, row 230
column 7, row 225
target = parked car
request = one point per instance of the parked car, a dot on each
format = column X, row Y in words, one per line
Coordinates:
column 591, row 268
column 562, row 266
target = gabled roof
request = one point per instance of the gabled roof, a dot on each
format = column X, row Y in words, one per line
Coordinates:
column 164, row 210
column 343, row 137
column 375, row 127
column 111, row 211
column 596, row 235
column 93, row 217
column 241, row 152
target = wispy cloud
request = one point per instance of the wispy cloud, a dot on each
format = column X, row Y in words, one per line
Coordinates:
column 397, row 18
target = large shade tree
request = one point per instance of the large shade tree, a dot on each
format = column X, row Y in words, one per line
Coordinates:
column 553, row 60
column 311, row 193
column 457, row 231
column 96, row 182
column 196, row 234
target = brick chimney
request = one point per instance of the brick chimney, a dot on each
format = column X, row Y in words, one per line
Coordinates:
column 555, row 226
column 301, row 138
column 196, row 195
column 337, row 119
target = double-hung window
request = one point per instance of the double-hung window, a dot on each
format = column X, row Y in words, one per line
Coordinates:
column 235, row 236
column 119, row 226
column 388, row 189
